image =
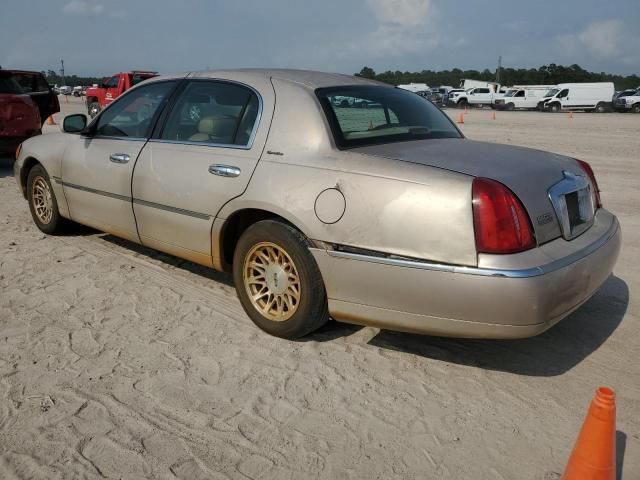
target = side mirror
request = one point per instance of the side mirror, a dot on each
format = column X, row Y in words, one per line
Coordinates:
column 74, row 123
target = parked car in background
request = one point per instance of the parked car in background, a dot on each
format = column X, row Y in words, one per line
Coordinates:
column 478, row 97
column 99, row 97
column 521, row 97
column 65, row 90
column 383, row 216
column 26, row 100
column 595, row 97
column 79, row 91
column 627, row 101
column 452, row 96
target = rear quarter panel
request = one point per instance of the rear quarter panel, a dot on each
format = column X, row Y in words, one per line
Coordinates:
column 391, row 206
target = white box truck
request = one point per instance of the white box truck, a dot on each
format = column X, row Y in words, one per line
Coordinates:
column 590, row 97
column 522, row 97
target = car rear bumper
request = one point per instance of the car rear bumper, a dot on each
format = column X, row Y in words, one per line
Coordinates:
column 447, row 300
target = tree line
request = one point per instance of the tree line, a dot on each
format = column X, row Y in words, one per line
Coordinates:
column 72, row 80
column 551, row 74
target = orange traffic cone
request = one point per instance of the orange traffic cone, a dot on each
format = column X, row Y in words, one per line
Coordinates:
column 493, row 117
column 594, row 455
column 461, row 118
column 570, row 115
column 51, row 121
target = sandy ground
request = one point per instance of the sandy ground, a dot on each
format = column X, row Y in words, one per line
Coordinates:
column 119, row 362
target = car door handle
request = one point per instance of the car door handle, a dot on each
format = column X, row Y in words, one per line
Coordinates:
column 119, row 157
column 224, row 170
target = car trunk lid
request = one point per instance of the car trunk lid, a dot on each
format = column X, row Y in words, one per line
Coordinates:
column 530, row 174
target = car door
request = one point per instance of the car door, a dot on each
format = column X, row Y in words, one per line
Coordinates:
column 565, row 98
column 97, row 167
column 112, row 88
column 202, row 157
column 35, row 85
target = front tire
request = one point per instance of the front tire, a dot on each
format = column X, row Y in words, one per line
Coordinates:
column 554, row 108
column 43, row 203
column 278, row 281
column 93, row 109
column 636, row 108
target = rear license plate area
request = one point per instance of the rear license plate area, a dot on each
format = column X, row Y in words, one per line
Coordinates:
column 579, row 209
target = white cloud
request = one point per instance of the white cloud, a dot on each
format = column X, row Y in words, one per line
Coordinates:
column 82, row 7
column 404, row 26
column 602, row 39
column 403, row 13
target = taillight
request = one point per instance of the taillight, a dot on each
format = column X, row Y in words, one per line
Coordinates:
column 500, row 221
column 596, row 190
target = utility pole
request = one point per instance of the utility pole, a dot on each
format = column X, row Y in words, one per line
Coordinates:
column 62, row 70
column 499, row 69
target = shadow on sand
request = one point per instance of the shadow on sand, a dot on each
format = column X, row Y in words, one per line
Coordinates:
column 552, row 353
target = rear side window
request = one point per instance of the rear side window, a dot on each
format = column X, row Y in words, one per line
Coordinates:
column 213, row 112
column 365, row 115
column 8, row 84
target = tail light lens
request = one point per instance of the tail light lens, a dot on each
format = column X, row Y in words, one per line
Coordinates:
column 596, row 190
column 500, row 221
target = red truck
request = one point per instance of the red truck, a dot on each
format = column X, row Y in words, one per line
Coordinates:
column 112, row 88
column 26, row 100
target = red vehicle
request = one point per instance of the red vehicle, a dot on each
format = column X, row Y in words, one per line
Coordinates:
column 26, row 100
column 112, row 88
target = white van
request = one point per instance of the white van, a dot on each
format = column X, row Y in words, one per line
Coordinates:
column 522, row 97
column 579, row 96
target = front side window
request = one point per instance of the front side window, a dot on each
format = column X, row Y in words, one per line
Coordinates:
column 131, row 115
column 366, row 115
column 563, row 93
column 213, row 112
column 112, row 82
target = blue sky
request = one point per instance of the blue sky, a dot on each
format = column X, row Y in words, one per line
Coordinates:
column 100, row 37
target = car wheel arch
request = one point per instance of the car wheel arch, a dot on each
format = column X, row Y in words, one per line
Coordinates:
column 237, row 223
column 27, row 165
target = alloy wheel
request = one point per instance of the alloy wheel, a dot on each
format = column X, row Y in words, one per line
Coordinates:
column 42, row 200
column 271, row 281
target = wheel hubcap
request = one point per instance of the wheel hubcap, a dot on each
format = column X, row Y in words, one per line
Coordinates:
column 271, row 281
column 42, row 200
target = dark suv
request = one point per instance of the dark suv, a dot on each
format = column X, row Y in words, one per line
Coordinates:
column 26, row 100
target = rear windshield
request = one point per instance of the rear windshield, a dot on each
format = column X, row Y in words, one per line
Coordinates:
column 8, row 83
column 365, row 115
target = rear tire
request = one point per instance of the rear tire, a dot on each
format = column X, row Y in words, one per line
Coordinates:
column 278, row 281
column 511, row 107
column 601, row 108
column 43, row 203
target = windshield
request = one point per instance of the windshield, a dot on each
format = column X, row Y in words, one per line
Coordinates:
column 552, row 92
column 365, row 115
